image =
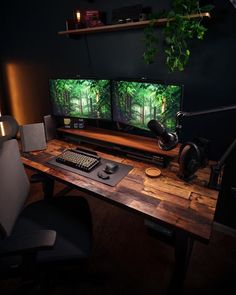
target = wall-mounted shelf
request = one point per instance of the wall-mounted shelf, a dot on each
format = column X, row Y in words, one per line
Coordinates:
column 126, row 26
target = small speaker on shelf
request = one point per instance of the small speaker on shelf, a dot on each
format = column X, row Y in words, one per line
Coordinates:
column 33, row 137
column 126, row 14
column 50, row 127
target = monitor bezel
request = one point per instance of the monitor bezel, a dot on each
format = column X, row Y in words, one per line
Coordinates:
column 93, row 120
column 128, row 127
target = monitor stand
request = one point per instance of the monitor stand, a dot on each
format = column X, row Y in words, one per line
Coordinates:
column 134, row 146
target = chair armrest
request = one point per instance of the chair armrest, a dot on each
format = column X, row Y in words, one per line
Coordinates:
column 28, row 243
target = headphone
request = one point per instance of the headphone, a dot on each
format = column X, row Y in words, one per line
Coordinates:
column 190, row 159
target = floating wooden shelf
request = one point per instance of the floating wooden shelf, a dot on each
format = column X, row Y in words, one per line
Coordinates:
column 126, row 26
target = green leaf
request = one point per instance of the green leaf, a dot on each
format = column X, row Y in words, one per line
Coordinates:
column 206, row 8
column 171, row 14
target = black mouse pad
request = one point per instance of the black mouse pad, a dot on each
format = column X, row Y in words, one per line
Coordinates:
column 112, row 180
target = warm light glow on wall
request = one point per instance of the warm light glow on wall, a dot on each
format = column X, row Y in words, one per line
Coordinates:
column 13, row 73
column 26, row 88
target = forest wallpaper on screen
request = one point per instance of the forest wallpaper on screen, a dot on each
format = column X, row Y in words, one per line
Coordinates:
column 133, row 103
column 82, row 98
column 136, row 103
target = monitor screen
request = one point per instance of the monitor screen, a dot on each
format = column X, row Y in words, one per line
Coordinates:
column 83, row 98
column 137, row 102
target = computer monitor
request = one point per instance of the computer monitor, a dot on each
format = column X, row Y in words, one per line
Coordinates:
column 81, row 98
column 135, row 103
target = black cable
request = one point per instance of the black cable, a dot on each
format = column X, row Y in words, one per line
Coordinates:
column 90, row 65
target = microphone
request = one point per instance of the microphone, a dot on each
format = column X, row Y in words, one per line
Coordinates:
column 166, row 141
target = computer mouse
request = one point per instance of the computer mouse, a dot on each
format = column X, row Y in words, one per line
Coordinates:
column 110, row 168
column 103, row 175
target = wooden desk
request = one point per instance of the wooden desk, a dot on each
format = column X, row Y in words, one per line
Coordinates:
column 186, row 209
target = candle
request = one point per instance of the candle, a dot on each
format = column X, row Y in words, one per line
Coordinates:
column 77, row 14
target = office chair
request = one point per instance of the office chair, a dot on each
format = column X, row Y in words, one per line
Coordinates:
column 44, row 235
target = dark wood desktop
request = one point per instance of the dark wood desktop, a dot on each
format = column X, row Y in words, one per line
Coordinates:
column 184, row 209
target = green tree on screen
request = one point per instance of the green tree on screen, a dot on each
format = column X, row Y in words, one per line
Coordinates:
column 140, row 102
column 82, row 98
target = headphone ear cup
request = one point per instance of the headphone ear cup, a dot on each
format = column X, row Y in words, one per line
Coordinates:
column 189, row 160
column 193, row 165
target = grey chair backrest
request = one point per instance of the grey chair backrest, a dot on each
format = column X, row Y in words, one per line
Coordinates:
column 14, row 185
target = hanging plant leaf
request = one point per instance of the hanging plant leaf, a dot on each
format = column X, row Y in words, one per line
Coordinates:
column 179, row 30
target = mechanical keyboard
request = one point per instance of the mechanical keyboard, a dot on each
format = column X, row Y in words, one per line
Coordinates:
column 79, row 159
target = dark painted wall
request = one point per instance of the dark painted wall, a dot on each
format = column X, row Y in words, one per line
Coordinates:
column 31, row 45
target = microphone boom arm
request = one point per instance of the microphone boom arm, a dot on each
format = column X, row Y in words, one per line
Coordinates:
column 216, row 169
column 180, row 115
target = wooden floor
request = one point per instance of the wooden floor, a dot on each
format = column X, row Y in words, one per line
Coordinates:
column 126, row 260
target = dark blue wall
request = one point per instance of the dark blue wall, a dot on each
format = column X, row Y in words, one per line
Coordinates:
column 29, row 35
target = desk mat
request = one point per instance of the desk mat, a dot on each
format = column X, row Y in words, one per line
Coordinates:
column 114, row 178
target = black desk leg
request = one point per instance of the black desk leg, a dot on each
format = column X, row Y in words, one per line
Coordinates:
column 183, row 250
column 47, row 183
column 48, row 187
